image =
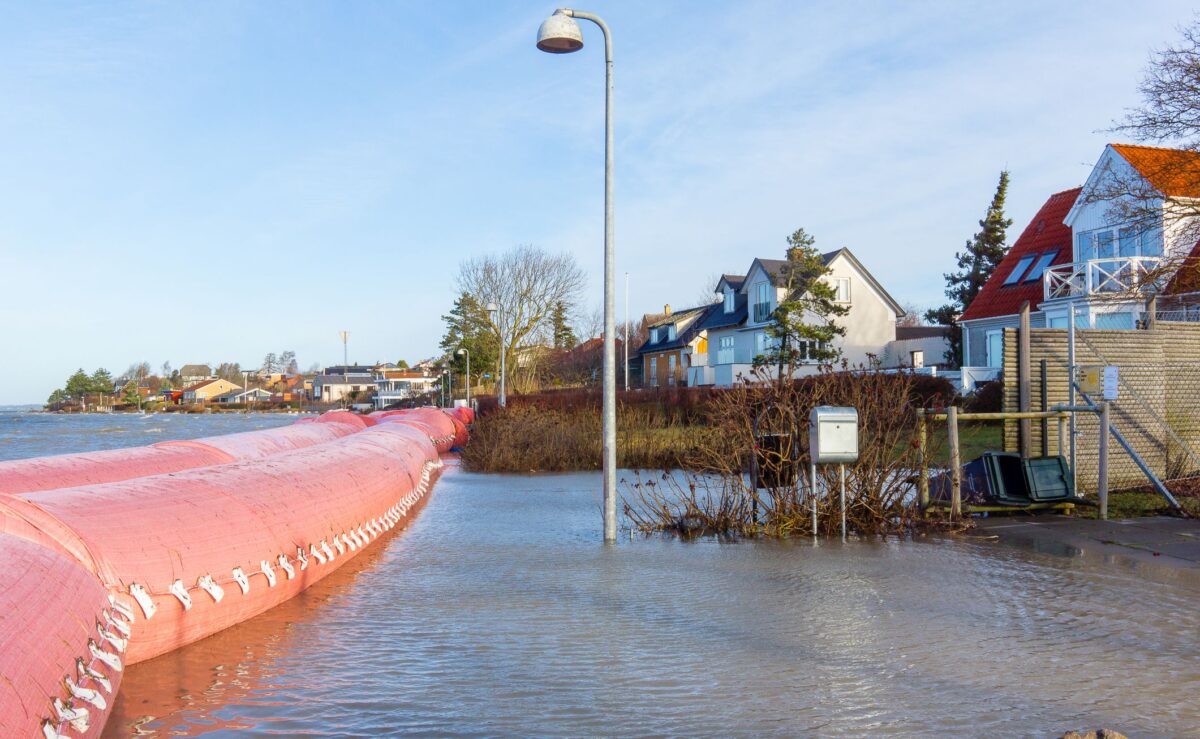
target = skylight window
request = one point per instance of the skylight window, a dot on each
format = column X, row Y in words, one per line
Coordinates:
column 1022, row 265
column 1042, row 263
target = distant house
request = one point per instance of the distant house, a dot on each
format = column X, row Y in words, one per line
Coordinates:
column 253, row 395
column 190, row 374
column 736, row 327
column 206, row 390
column 677, row 341
column 336, row 387
column 394, row 386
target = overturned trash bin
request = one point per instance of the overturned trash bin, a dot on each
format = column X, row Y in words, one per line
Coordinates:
column 1004, row 479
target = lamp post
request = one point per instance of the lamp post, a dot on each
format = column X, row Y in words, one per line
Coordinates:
column 496, row 314
column 560, row 34
column 463, row 351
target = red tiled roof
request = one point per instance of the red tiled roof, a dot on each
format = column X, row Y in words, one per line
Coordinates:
column 1173, row 172
column 1045, row 233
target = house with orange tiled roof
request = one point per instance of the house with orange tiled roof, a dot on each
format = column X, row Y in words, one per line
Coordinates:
column 1099, row 252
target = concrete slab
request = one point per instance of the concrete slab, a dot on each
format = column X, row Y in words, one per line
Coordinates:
column 1162, row 540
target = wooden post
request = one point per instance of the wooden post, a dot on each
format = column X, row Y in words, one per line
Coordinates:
column 922, row 461
column 955, row 463
column 1045, row 407
column 1152, row 312
column 1102, row 482
column 1023, row 381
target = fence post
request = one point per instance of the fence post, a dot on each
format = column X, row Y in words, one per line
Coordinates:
column 1023, row 381
column 922, row 461
column 814, row 496
column 1102, row 483
column 955, row 463
column 1045, row 407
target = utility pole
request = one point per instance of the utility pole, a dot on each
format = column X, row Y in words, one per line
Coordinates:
column 626, row 331
column 345, row 354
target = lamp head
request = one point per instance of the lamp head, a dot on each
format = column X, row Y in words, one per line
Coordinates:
column 491, row 307
column 462, row 351
column 559, row 34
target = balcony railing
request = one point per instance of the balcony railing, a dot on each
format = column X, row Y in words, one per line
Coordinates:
column 762, row 311
column 1101, row 277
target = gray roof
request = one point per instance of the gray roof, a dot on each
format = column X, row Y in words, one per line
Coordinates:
column 921, row 332
column 720, row 319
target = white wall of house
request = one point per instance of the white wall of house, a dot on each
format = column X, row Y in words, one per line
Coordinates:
column 900, row 353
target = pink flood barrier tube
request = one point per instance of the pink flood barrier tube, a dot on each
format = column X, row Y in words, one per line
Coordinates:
column 70, row 470
column 184, row 555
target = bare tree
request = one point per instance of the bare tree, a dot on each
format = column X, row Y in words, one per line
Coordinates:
column 913, row 315
column 706, row 294
column 526, row 282
column 589, row 322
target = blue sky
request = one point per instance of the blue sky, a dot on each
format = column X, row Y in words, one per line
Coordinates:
column 210, row 182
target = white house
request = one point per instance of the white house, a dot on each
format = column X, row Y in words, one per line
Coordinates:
column 394, row 386
column 335, row 388
column 1076, row 255
column 737, row 327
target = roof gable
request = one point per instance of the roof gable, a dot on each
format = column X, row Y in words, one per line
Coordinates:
column 1045, row 233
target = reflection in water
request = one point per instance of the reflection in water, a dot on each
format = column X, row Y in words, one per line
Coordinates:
column 499, row 613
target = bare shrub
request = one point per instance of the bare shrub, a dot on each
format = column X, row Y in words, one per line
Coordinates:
column 723, row 500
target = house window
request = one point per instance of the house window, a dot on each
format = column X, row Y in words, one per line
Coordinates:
column 918, row 358
column 808, row 350
column 995, row 348
column 653, row 336
column 1122, row 242
column 762, row 301
column 725, row 350
column 728, row 299
column 760, row 343
column 1015, row 276
column 841, row 289
column 671, row 370
column 653, row 371
column 1040, row 266
column 671, row 332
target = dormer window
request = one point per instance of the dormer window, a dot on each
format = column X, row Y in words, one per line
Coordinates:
column 653, row 336
column 671, row 332
column 728, row 299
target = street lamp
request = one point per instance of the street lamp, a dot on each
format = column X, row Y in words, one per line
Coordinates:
column 496, row 315
column 560, row 34
column 463, row 352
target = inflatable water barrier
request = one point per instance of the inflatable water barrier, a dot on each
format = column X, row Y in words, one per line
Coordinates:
column 112, row 558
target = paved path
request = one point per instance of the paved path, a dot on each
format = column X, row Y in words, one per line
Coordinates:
column 1166, row 541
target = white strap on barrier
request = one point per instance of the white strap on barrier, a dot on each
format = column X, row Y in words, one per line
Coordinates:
column 85, row 694
column 320, row 555
column 108, row 658
column 179, row 591
column 50, row 730
column 117, row 624
column 240, row 578
column 349, row 542
column 337, row 543
column 112, row 638
column 121, row 609
column 325, row 548
column 87, row 673
column 302, row 558
column 265, row 566
column 143, row 599
column 207, row 585
column 77, row 717
column 286, row 566
column 363, row 535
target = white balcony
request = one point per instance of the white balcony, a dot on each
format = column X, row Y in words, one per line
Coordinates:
column 1101, row 277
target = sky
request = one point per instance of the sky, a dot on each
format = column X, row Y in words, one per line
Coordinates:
column 212, row 182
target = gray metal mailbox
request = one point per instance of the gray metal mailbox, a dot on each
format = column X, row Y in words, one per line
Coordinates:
column 833, row 434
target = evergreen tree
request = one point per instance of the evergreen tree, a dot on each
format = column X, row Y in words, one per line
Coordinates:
column 468, row 327
column 803, row 326
column 564, row 337
column 402, row 364
column 100, row 381
column 975, row 263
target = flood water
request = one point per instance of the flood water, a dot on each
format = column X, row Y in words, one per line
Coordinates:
column 498, row 612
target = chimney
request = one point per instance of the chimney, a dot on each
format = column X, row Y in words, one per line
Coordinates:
column 667, row 309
